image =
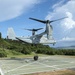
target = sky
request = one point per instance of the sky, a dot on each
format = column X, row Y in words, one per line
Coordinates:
column 15, row 14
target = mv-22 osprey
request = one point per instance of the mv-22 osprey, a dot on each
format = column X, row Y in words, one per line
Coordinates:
column 40, row 38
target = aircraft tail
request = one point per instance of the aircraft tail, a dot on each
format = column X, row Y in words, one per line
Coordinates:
column 11, row 34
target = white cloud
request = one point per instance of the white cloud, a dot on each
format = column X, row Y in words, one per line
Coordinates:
column 13, row 8
column 68, row 39
column 64, row 10
column 68, row 23
column 58, row 4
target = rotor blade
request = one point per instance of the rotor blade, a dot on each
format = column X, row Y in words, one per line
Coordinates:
column 33, row 29
column 58, row 19
column 38, row 20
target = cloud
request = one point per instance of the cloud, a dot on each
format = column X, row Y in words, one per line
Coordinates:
column 61, row 10
column 13, row 8
column 68, row 23
column 67, row 39
column 58, row 4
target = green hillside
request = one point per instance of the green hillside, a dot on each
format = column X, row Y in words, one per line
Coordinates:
column 15, row 47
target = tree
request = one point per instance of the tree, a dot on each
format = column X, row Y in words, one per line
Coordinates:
column 0, row 35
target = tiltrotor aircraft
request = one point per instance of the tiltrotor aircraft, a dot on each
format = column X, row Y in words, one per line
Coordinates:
column 40, row 38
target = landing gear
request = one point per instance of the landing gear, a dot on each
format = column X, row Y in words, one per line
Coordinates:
column 36, row 57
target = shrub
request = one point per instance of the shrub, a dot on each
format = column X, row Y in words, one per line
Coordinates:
column 25, row 51
column 3, row 53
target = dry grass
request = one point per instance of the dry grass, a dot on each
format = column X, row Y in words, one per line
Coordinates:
column 62, row 72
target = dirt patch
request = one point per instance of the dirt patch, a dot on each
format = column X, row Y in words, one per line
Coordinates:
column 62, row 72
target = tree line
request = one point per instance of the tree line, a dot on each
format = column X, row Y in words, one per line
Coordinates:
column 25, row 48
